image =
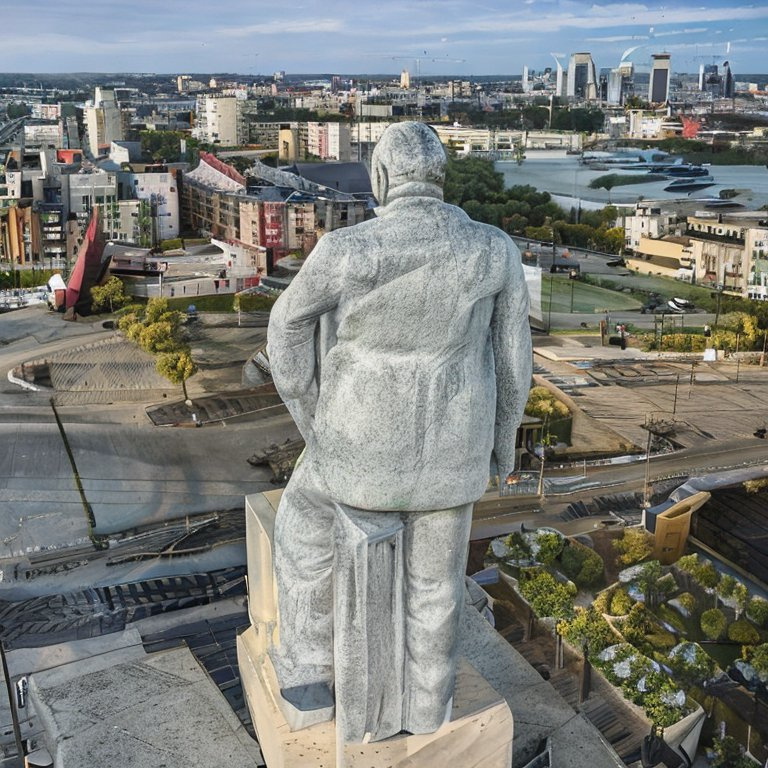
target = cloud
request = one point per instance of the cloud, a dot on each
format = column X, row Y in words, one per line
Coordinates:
column 293, row 27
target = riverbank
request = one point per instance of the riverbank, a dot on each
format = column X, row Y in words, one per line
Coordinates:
column 567, row 179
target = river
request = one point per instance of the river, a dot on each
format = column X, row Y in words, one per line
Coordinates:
column 566, row 179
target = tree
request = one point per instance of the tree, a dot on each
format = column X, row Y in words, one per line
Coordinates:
column 707, row 575
column 713, row 623
column 741, row 595
column 157, row 337
column 634, row 546
column 111, row 295
column 177, row 367
column 17, row 109
column 647, row 578
column 687, row 602
column 757, row 610
column 544, row 405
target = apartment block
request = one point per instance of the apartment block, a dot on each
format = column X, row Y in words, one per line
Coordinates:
column 219, row 120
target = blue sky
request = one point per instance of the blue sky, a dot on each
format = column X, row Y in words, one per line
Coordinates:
column 434, row 36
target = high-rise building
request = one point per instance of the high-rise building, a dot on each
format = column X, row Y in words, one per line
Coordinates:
column 729, row 87
column 219, row 119
column 405, row 79
column 102, row 119
column 582, row 80
column 526, row 80
column 560, row 78
column 658, row 84
column 619, row 83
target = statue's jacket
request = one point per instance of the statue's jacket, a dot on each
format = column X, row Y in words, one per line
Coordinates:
column 403, row 351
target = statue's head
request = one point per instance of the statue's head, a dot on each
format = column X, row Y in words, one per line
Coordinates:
column 408, row 160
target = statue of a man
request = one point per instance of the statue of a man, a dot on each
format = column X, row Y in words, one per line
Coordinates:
column 403, row 352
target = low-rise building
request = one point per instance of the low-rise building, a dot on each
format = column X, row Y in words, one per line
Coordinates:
column 281, row 212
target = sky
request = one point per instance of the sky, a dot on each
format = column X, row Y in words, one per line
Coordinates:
column 427, row 37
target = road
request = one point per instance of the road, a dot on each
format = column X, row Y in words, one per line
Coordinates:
column 495, row 516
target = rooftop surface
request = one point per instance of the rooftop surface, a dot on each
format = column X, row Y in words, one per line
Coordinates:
column 161, row 709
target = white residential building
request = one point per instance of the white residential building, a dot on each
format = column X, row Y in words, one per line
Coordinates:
column 103, row 122
column 219, row 120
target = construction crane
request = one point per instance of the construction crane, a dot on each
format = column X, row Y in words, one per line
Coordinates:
column 426, row 57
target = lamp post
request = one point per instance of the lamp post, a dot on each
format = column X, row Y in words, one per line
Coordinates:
column 20, row 761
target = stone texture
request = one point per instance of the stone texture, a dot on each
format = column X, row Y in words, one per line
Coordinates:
column 159, row 710
column 369, row 623
column 477, row 735
column 403, row 352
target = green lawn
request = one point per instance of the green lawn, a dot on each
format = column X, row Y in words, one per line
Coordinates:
column 574, row 296
column 210, row 303
column 666, row 287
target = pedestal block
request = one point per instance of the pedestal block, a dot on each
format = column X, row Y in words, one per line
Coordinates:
column 478, row 735
column 369, row 606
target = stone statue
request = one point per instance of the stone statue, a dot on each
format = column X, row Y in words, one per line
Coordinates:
column 403, row 352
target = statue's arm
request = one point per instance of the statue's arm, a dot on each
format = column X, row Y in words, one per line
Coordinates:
column 513, row 355
column 292, row 328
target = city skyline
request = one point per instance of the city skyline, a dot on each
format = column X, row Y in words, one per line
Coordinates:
column 427, row 37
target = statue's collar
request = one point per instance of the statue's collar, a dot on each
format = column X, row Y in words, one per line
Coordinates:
column 410, row 195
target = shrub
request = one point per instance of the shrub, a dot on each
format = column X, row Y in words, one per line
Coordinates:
column 547, row 596
column 587, row 629
column 713, row 623
column 757, row 656
column 742, row 631
column 519, row 549
column 254, row 302
column 757, row 610
column 688, row 563
column 730, row 754
column 602, row 603
column 634, row 546
column 691, row 664
column 550, row 545
column 582, row 564
column 726, row 585
column 544, row 405
column 621, row 603
column 171, row 245
column 706, row 574
column 661, row 641
column 687, row 601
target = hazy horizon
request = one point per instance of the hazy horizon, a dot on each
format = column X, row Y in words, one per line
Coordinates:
column 430, row 38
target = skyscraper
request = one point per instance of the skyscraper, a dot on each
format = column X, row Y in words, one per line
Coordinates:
column 582, row 80
column 658, row 85
column 102, row 119
column 729, row 87
column 560, row 85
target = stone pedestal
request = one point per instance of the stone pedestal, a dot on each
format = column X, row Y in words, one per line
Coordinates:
column 478, row 735
column 479, row 731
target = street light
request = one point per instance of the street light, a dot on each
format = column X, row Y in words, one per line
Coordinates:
column 20, row 751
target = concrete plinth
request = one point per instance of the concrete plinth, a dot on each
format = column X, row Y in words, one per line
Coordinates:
column 478, row 735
